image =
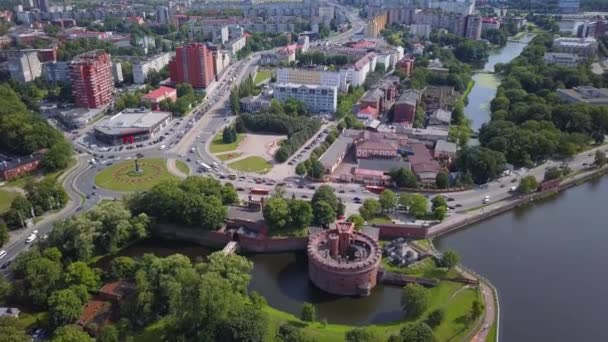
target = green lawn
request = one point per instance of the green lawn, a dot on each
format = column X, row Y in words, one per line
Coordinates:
column 261, row 76
column 183, row 167
column 380, row 220
column 426, row 268
column 423, row 243
column 251, row 164
column 218, row 146
column 446, row 295
column 6, row 198
column 228, row 156
column 453, row 328
column 122, row 176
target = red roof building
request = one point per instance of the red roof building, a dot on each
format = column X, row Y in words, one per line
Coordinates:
column 92, row 82
column 423, row 164
column 367, row 113
column 193, row 64
column 155, row 96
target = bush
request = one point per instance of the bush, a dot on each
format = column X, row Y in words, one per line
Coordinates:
column 308, row 313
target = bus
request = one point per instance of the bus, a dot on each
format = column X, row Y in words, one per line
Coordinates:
column 259, row 191
column 375, row 189
column 205, row 166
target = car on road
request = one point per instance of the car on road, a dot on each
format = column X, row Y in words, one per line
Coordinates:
column 311, row 187
column 31, row 238
column 357, row 199
column 341, row 191
column 162, row 147
column 2, row 254
column 6, row 265
column 304, row 196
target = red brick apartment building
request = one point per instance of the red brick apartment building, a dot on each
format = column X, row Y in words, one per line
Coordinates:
column 92, row 83
column 193, row 63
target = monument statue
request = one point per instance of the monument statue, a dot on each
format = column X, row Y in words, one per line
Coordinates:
column 137, row 170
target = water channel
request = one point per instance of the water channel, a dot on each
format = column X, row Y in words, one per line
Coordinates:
column 484, row 90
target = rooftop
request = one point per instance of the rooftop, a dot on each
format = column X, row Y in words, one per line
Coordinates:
column 409, row 96
column 445, row 146
column 384, row 165
column 335, row 151
column 161, row 92
column 131, row 119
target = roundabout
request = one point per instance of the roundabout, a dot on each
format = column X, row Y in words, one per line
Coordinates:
column 124, row 176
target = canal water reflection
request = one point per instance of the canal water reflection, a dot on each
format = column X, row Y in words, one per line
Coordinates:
column 548, row 262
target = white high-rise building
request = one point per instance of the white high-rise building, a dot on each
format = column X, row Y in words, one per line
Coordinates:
column 141, row 68
column 317, row 98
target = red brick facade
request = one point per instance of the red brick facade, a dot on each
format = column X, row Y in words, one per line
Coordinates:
column 193, row 63
column 92, row 82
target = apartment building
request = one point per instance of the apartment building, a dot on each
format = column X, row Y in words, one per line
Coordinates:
column 318, row 99
column 143, row 67
column 56, row 71
column 25, row 67
column 561, row 58
column 193, row 63
column 91, row 75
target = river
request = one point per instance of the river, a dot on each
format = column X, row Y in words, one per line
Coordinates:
column 548, row 262
column 484, row 90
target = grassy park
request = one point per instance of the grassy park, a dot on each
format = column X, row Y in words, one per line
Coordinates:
column 6, row 198
column 261, row 76
column 251, row 164
column 122, row 176
column 183, row 167
column 228, row 156
column 218, row 145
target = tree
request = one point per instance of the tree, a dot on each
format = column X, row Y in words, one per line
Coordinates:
column 316, row 170
column 439, row 201
column 449, row 259
column 600, row 158
column 11, row 330
column 248, row 324
column 418, row 206
column 363, row 335
column 109, row 333
column 289, row 333
column 404, row 178
column 4, row 237
column 57, row 157
column 71, row 333
column 235, row 268
column 276, row 213
column 326, row 194
column 184, row 89
column 435, row 318
column 417, row 332
column 552, row 172
column 357, row 219
column 388, row 200
column 229, row 194
column 440, row 212
column 229, row 135
column 442, row 181
column 38, row 277
column 308, row 313
column 300, row 213
column 414, row 300
column 527, row 184
column 482, row 163
column 370, row 209
column 301, row 169
column 79, row 273
column 324, row 214
column 64, row 307
column 476, row 310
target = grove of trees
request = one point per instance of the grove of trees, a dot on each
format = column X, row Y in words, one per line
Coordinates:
column 195, row 201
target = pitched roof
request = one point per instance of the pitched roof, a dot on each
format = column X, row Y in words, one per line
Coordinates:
column 162, row 91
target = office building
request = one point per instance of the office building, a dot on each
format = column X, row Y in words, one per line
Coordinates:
column 318, row 99
column 25, row 67
column 193, row 64
column 317, row 76
column 581, row 46
column 91, row 75
column 585, row 94
column 562, row 58
column 142, row 67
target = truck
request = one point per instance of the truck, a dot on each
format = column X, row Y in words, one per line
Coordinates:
column 259, row 191
column 374, row 189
